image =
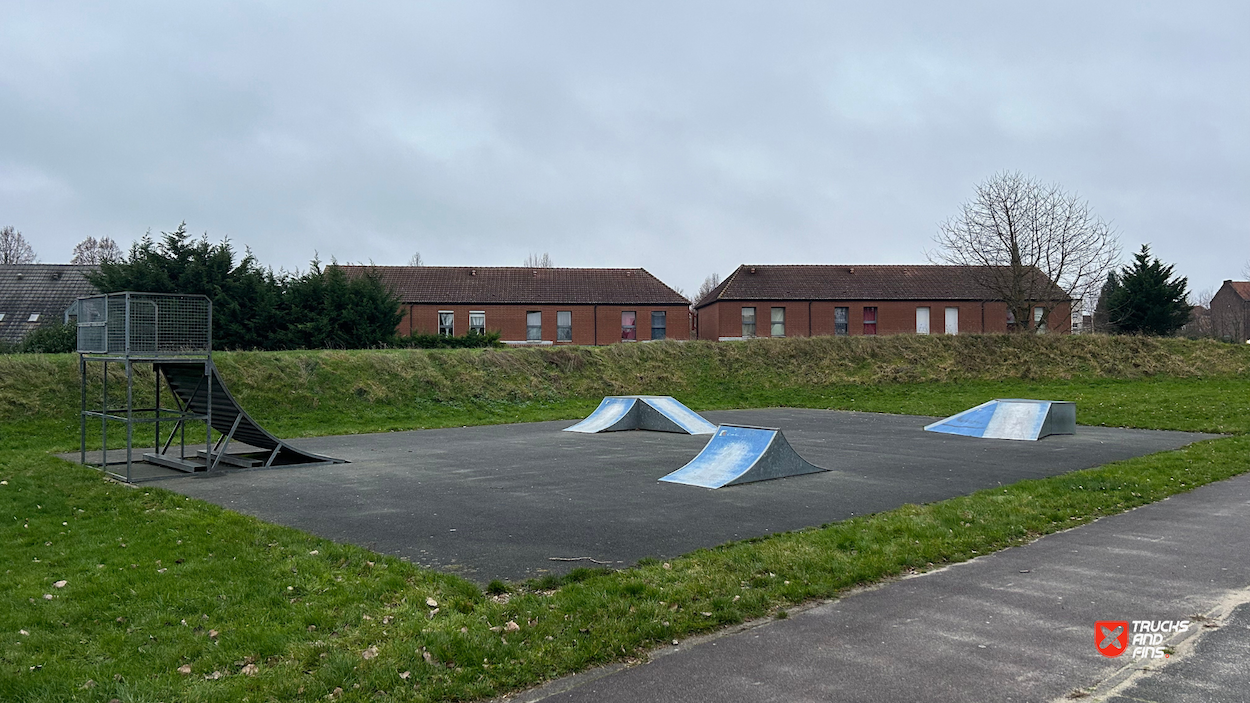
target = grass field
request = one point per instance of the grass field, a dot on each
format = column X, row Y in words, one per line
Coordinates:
column 167, row 598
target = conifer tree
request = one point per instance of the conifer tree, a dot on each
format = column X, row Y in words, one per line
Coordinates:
column 1148, row 299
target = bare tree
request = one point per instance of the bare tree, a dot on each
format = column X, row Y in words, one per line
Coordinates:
column 1024, row 237
column 707, row 286
column 1245, row 271
column 416, row 259
column 534, row 261
column 96, row 251
column 13, row 247
column 1200, row 321
column 1202, row 297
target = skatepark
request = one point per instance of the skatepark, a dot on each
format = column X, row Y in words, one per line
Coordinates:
column 503, row 501
column 641, row 476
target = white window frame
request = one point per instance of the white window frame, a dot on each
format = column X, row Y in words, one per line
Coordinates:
column 773, row 322
column 451, row 329
column 34, row 317
column 564, row 333
column 752, row 323
column 928, row 319
column 534, row 333
column 947, row 327
column 480, row 329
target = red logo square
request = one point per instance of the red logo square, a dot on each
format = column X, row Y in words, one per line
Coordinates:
column 1111, row 637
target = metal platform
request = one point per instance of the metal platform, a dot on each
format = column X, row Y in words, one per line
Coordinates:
column 173, row 333
column 659, row 413
column 1011, row 418
column 742, row 454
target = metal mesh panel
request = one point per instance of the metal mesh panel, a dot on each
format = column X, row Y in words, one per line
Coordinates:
column 145, row 324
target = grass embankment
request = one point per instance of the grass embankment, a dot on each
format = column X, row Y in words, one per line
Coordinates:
column 275, row 614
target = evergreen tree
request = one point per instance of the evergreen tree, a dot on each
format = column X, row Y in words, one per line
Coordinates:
column 245, row 296
column 1102, row 315
column 1148, row 299
column 252, row 307
column 329, row 310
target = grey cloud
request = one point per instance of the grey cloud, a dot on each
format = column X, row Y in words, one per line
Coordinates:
column 685, row 137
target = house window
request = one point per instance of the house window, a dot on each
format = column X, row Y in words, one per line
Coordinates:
column 841, row 318
column 564, row 326
column 629, row 325
column 778, row 320
column 1038, row 312
column 870, row 320
column 922, row 320
column 952, row 321
column 659, row 324
column 446, row 323
column 533, row 327
column 1, row 317
column 748, row 322
column 477, row 322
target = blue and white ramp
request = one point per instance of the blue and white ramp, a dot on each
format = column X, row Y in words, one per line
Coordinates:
column 1012, row 418
column 740, row 454
column 660, row 413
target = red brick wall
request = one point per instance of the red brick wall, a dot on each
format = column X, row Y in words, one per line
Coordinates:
column 591, row 324
column 815, row 318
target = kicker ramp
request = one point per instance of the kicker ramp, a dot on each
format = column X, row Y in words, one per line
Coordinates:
column 1011, row 418
column 660, row 413
column 191, row 385
column 740, row 454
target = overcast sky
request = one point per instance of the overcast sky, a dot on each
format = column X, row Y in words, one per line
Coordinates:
column 685, row 138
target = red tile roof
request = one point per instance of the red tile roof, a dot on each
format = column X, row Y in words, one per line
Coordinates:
column 1241, row 288
column 501, row 285
column 844, row 282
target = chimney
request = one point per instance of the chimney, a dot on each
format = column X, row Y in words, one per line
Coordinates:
column 752, row 269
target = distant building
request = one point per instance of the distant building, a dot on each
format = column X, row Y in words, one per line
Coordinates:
column 806, row 301
column 1230, row 311
column 537, row 305
column 36, row 294
column 1199, row 324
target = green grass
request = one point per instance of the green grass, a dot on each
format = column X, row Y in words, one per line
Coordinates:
column 308, row 614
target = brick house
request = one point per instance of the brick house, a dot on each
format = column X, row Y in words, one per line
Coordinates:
column 805, row 301
column 1230, row 311
column 32, row 295
column 537, row 305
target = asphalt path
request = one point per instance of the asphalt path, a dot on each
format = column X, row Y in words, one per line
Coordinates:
column 1017, row 625
column 502, row 501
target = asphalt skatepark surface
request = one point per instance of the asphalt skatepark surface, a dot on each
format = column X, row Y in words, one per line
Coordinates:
column 501, row 501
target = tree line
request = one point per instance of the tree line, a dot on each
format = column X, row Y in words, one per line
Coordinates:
column 256, row 308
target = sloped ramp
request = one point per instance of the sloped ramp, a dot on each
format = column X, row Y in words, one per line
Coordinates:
column 659, row 413
column 191, row 385
column 1011, row 418
column 741, row 454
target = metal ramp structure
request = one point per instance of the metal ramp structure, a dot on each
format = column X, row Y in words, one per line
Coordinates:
column 1011, row 418
column 739, row 454
column 200, row 391
column 173, row 333
column 659, row 413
